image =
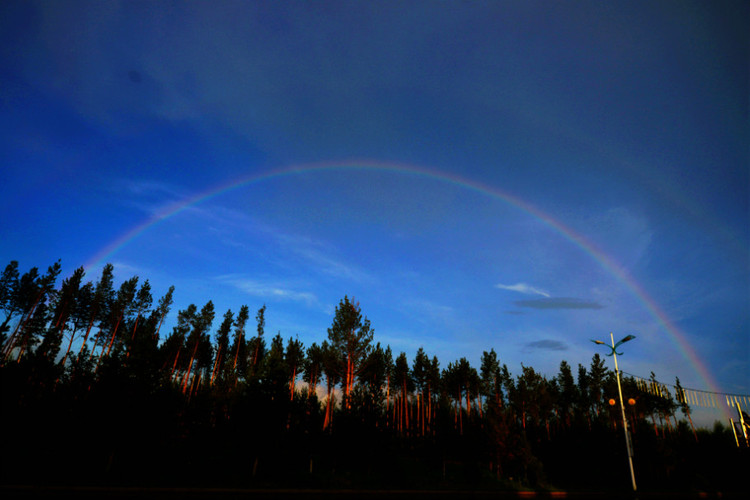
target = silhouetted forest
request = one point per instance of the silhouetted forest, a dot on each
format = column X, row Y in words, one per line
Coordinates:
column 96, row 392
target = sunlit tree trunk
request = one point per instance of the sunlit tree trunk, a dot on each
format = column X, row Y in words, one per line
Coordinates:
column 132, row 335
column 19, row 331
column 459, row 414
column 195, row 383
column 236, row 356
column 348, row 380
column 405, row 397
column 216, row 365
column 429, row 409
column 329, row 403
column 190, row 365
column 174, row 365
column 292, row 384
column 22, row 332
column 420, row 413
column 114, row 334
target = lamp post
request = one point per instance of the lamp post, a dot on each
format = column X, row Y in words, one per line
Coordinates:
column 614, row 353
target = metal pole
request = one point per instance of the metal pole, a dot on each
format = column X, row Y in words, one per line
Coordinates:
column 628, row 444
column 742, row 422
column 734, row 429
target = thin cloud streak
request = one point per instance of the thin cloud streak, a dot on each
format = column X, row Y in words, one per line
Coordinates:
column 317, row 255
column 273, row 290
column 523, row 288
column 314, row 254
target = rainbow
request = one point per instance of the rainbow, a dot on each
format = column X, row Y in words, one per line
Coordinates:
column 607, row 263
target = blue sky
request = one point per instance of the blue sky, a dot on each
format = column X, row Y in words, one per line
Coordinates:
column 624, row 123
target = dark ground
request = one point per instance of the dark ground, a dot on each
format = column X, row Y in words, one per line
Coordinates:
column 28, row 492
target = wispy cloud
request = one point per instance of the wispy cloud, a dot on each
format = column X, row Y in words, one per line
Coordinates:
column 315, row 254
column 559, row 303
column 231, row 226
column 268, row 290
column 322, row 257
column 523, row 288
column 155, row 198
column 124, row 270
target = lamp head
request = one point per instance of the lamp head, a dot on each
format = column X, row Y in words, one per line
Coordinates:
column 629, row 337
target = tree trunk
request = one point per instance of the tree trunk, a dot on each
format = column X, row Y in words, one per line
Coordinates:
column 216, row 365
column 406, row 409
column 86, row 336
column 174, row 365
column 10, row 343
column 236, row 355
column 329, row 406
column 255, row 354
column 190, row 367
column 431, row 410
column 70, row 344
column 195, row 383
column 313, row 385
column 132, row 336
column 158, row 328
column 114, row 334
column 420, row 413
column 22, row 326
column 468, row 403
column 291, row 384
column 97, row 337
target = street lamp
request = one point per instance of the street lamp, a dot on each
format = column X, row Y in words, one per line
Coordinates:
column 614, row 353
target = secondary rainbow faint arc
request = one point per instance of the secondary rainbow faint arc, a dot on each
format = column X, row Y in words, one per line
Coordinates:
column 577, row 239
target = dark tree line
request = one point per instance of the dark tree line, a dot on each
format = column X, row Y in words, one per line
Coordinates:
column 95, row 391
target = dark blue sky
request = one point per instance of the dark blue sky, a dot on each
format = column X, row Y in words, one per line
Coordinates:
column 623, row 123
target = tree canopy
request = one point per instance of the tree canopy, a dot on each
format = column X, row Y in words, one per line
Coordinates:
column 95, row 391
